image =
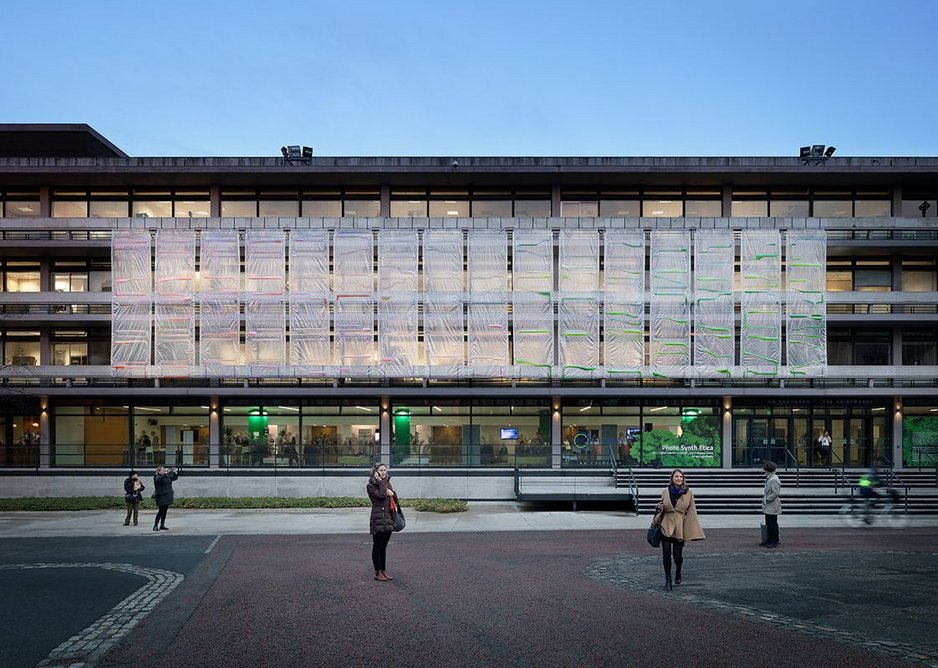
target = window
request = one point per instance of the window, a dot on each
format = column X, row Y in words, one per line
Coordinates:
column 862, row 347
column 700, row 208
column 449, row 204
column 663, row 205
column 19, row 204
column 69, row 209
column 790, row 208
column 919, row 347
column 872, row 208
column 491, row 204
column 918, row 276
column 361, row 203
column 579, row 204
column 239, row 208
column 748, row 204
column 21, row 347
column 917, row 207
column 526, row 207
column 833, row 208
column 618, row 206
column 408, row 204
column 322, row 204
column 170, row 435
column 70, row 281
column 22, row 277
column 108, row 209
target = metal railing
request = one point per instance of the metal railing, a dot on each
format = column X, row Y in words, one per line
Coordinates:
column 789, row 455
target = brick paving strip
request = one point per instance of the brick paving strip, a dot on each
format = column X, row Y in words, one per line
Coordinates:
column 87, row 647
column 622, row 571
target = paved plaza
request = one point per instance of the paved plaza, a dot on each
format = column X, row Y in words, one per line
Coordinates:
column 497, row 586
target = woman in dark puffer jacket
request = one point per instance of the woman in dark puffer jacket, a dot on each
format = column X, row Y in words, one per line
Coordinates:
column 382, row 495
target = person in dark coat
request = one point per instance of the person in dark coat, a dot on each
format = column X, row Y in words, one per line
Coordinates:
column 133, row 496
column 383, row 497
column 163, row 494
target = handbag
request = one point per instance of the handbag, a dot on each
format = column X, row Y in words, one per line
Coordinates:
column 398, row 519
column 654, row 535
column 130, row 497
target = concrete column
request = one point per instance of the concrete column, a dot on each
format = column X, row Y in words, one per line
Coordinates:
column 45, row 347
column 45, row 202
column 214, row 433
column 556, row 442
column 727, row 411
column 214, row 201
column 45, row 434
column 727, row 200
column 897, row 201
column 897, row 433
column 385, row 210
column 555, row 200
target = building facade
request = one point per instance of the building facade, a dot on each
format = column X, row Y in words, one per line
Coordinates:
column 461, row 318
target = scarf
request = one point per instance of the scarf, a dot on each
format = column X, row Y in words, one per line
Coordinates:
column 392, row 503
column 675, row 493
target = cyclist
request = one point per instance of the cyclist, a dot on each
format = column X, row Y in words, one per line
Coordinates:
column 869, row 483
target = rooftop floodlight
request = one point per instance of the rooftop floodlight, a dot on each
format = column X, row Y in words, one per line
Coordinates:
column 805, row 152
column 817, row 150
column 286, row 153
column 307, row 152
column 294, row 151
column 829, row 152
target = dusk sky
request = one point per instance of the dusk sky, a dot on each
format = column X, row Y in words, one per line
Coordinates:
column 486, row 77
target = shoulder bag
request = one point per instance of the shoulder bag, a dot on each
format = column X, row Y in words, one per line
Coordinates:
column 398, row 519
column 653, row 535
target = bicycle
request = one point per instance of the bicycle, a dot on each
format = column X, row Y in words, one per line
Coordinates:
column 886, row 510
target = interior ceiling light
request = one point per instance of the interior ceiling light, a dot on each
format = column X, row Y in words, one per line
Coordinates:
column 655, row 410
column 363, row 408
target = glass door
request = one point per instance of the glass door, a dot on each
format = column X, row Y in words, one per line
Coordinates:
column 860, row 450
column 761, row 439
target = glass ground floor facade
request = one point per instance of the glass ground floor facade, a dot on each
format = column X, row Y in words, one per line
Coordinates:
column 467, row 432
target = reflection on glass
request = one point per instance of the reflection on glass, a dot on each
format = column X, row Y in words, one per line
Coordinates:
column 65, row 209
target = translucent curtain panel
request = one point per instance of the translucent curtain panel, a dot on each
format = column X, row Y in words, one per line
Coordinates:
column 443, row 298
column 488, row 261
column 578, row 306
column 398, row 286
column 174, row 351
column 310, row 303
column 131, row 303
column 806, row 284
column 488, row 337
column 670, row 304
column 532, row 281
column 220, row 303
column 760, row 333
column 714, row 318
column 265, row 318
column 579, row 336
column 624, row 303
column 579, row 261
column 532, row 316
column 489, row 354
column 353, row 280
column 354, row 352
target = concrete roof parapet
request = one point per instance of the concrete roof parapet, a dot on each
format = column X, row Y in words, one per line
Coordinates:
column 464, row 223
column 526, row 223
column 450, row 223
column 213, row 223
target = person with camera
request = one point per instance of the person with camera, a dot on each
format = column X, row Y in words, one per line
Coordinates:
column 163, row 495
column 383, row 502
column 678, row 519
column 132, row 496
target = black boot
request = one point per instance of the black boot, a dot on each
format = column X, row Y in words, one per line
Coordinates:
column 677, row 576
column 667, row 582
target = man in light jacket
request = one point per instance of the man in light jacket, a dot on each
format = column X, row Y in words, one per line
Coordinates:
column 771, row 504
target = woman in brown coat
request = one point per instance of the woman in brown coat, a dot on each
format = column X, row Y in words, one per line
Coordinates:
column 679, row 523
column 382, row 495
